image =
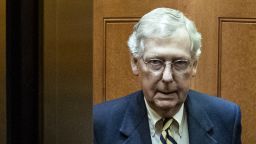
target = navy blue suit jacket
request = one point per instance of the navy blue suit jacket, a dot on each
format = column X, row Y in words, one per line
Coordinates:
column 211, row 120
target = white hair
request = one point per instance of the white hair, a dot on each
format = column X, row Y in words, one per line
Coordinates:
column 162, row 23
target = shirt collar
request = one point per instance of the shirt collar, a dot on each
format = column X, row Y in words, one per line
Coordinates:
column 155, row 117
column 179, row 115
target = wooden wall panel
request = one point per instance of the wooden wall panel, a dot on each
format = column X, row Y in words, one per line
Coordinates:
column 67, row 72
column 203, row 13
column 119, row 80
column 237, row 69
column 3, row 130
column 131, row 8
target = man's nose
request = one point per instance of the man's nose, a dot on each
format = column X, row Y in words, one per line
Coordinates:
column 167, row 74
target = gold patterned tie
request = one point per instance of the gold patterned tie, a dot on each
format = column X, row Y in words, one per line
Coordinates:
column 167, row 135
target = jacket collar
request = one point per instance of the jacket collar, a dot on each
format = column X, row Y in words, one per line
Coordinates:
column 200, row 125
column 135, row 122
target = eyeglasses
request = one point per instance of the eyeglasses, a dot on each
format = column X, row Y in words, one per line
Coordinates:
column 180, row 65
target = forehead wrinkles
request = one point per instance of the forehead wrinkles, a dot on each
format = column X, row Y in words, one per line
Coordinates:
column 177, row 43
column 180, row 36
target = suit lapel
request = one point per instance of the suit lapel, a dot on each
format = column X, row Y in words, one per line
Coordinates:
column 199, row 124
column 135, row 122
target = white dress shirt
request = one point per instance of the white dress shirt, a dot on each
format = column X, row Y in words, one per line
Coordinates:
column 180, row 126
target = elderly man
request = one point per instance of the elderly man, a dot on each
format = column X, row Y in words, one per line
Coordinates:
column 165, row 48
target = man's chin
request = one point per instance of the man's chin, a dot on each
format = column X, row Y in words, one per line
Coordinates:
column 167, row 108
column 167, row 104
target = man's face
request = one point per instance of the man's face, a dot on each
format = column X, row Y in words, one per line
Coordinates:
column 165, row 90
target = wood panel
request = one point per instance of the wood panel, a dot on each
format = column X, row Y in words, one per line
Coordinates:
column 237, row 68
column 117, row 58
column 203, row 13
column 67, row 72
column 3, row 130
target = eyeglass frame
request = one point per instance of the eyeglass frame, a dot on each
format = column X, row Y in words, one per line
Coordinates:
column 165, row 62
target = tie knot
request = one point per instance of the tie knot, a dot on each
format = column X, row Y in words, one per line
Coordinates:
column 167, row 123
column 167, row 135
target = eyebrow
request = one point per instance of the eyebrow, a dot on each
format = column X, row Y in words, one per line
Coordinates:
column 166, row 58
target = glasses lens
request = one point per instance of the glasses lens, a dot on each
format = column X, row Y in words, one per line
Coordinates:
column 155, row 64
column 181, row 65
column 158, row 64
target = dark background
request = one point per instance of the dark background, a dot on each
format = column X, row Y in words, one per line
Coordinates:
column 23, row 46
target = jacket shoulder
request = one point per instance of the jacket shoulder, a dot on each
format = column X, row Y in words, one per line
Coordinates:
column 108, row 118
column 221, row 111
column 113, row 106
column 210, row 101
column 224, row 115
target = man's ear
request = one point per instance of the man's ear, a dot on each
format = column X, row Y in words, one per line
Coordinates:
column 194, row 70
column 134, row 65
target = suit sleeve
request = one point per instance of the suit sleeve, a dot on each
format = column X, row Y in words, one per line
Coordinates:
column 237, row 126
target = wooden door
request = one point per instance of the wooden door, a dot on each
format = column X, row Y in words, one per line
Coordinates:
column 226, row 68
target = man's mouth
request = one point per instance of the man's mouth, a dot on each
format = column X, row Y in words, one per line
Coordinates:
column 163, row 92
column 167, row 93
